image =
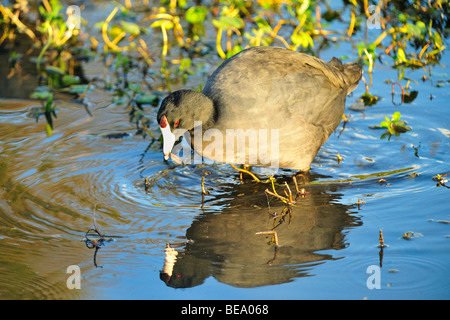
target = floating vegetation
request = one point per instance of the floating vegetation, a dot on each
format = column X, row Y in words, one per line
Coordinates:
column 440, row 221
column 339, row 158
column 409, row 34
column 369, row 99
column 411, row 235
column 394, row 126
column 441, row 181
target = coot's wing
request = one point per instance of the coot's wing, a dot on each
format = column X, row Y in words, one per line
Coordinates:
column 275, row 88
column 264, row 86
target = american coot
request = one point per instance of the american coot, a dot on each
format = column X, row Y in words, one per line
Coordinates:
column 265, row 106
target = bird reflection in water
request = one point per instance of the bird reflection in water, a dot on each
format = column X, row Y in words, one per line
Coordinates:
column 225, row 245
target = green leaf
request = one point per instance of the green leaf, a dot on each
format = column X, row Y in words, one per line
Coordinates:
column 437, row 39
column 115, row 31
column 368, row 99
column 396, row 116
column 402, row 17
column 41, row 95
column 263, row 24
column 412, row 30
column 134, row 87
column 217, row 24
column 236, row 49
column 391, row 129
column 99, row 25
column 69, row 80
column 49, row 129
column 303, row 39
column 401, row 57
column 55, row 70
column 395, row 125
column 56, row 6
column 228, row 22
column 401, row 128
column 384, row 124
column 147, row 99
column 77, row 88
column 48, row 105
column 130, row 27
column 421, row 26
column 196, row 14
column 166, row 23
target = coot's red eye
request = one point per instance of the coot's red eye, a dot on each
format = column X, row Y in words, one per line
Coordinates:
column 176, row 123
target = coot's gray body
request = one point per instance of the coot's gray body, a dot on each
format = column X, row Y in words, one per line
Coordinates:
column 291, row 102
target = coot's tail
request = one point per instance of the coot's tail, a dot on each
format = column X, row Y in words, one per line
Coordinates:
column 352, row 71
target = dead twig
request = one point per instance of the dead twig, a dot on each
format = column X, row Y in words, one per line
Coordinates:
column 95, row 243
column 92, row 243
column 277, row 196
column 274, row 236
column 287, row 210
column 381, row 239
column 393, row 93
column 204, row 191
column 300, row 192
column 288, row 199
column 360, row 203
column 296, row 185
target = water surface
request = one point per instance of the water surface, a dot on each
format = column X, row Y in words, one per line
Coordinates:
column 49, row 187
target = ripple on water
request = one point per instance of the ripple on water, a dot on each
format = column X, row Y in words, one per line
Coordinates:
column 414, row 274
column 404, row 274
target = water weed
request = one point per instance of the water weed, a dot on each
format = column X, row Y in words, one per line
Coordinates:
column 163, row 43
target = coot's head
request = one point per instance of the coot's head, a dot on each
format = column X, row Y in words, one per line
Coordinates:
column 181, row 110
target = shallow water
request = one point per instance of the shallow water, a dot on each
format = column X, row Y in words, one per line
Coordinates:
column 49, row 187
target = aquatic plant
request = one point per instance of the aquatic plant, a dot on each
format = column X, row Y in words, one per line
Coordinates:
column 410, row 34
column 48, row 108
column 395, row 125
column 441, row 181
